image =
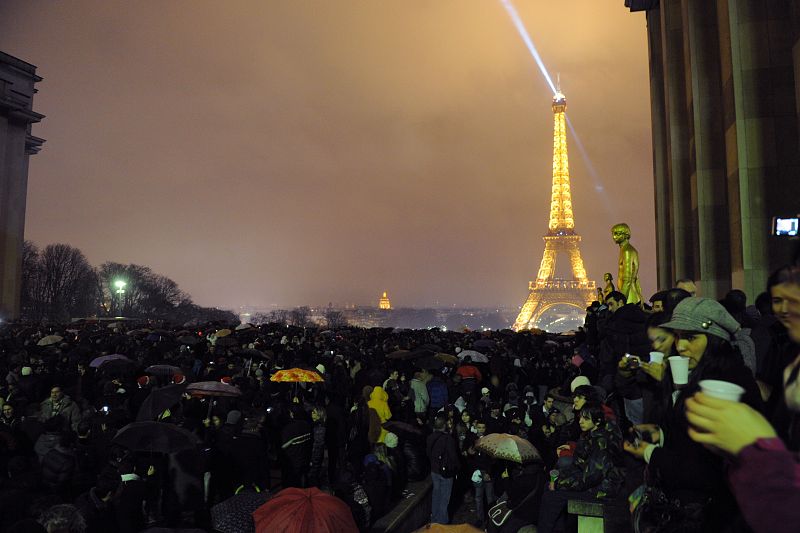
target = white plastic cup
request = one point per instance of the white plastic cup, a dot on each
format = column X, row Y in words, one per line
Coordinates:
column 657, row 357
column 679, row 366
column 721, row 389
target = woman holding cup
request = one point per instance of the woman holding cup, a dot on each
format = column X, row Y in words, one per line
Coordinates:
column 705, row 338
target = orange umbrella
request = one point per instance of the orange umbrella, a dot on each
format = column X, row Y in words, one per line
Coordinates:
column 296, row 375
column 296, row 510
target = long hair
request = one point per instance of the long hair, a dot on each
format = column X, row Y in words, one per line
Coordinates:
column 720, row 359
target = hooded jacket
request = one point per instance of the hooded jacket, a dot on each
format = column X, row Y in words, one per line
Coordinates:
column 379, row 402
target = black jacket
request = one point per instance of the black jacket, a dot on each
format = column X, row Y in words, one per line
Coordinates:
column 442, row 451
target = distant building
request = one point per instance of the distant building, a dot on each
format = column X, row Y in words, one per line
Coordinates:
column 384, row 302
column 17, row 80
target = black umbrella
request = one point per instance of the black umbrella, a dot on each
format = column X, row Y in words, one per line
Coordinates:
column 163, row 370
column 189, row 340
column 429, row 363
column 227, row 342
column 160, row 400
column 156, row 437
column 404, row 429
column 431, row 347
column 235, row 515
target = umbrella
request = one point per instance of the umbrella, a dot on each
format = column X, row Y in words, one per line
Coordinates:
column 477, row 357
column 155, row 437
column 252, row 352
column 447, row 358
column 296, row 375
column 296, row 510
column 227, row 342
column 163, row 370
column 431, row 347
column 404, row 429
column 399, row 354
column 484, row 343
column 240, row 327
column 160, row 400
column 50, row 340
column 99, row 361
column 189, row 340
column 213, row 388
column 222, row 333
column 235, row 515
column 509, row 448
column 429, row 363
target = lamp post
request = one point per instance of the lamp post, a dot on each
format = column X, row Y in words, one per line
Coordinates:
column 120, row 285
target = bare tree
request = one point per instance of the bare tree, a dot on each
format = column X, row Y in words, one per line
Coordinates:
column 63, row 284
column 299, row 316
column 335, row 319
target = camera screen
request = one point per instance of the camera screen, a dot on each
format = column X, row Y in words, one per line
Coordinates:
column 786, row 226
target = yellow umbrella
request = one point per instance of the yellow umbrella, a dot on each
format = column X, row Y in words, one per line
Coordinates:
column 223, row 333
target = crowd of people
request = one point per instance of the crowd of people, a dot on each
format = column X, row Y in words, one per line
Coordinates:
column 122, row 426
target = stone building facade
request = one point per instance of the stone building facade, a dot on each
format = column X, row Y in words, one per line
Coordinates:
column 17, row 80
column 725, row 103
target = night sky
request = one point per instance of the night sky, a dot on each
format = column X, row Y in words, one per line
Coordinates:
column 286, row 152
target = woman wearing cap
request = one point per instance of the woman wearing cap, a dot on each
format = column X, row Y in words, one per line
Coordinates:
column 705, row 333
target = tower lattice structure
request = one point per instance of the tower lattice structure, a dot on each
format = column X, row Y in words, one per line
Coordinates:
column 560, row 239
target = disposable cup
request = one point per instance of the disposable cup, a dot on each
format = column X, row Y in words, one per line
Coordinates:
column 656, row 357
column 721, row 389
column 679, row 366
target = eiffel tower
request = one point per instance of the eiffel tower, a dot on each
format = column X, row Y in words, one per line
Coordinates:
column 560, row 238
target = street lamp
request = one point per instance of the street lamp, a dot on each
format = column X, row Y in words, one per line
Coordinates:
column 120, row 285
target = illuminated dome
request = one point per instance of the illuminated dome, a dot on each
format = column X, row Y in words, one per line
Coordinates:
column 384, row 302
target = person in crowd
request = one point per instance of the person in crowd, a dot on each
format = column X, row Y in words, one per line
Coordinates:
column 379, row 414
column 687, row 285
column 705, row 334
column 764, row 476
column 442, row 452
column 59, row 404
column 593, row 474
column 318, row 418
column 419, row 394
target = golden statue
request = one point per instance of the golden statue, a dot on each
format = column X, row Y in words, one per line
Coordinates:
column 628, row 276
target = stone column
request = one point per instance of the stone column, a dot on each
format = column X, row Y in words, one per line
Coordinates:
column 665, row 274
column 17, row 80
column 709, row 148
column 677, row 140
column 766, row 131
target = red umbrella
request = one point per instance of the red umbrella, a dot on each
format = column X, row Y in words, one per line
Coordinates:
column 295, row 510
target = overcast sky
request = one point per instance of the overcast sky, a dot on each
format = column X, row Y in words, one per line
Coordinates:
column 289, row 152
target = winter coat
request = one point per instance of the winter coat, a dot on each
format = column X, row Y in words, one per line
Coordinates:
column 594, row 464
column 45, row 443
column 99, row 515
column 296, row 444
column 437, row 392
column 686, row 470
column 68, row 409
column 318, row 445
column 58, row 467
column 378, row 401
column 441, row 445
column 421, row 398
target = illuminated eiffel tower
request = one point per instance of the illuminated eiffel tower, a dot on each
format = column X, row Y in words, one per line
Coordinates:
column 548, row 291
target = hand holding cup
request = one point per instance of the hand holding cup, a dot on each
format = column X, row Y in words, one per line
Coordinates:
column 725, row 425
